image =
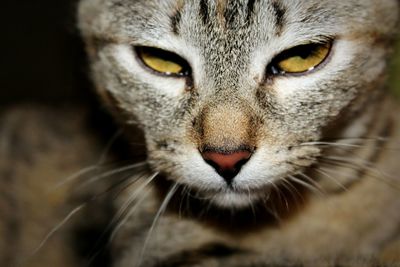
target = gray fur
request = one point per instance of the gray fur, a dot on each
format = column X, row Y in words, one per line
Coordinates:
column 229, row 45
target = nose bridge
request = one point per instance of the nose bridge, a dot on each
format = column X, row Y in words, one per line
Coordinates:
column 226, row 131
column 226, row 125
column 226, row 63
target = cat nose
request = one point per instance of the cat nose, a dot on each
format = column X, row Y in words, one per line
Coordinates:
column 227, row 164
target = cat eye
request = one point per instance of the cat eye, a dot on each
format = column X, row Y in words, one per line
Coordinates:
column 301, row 59
column 162, row 62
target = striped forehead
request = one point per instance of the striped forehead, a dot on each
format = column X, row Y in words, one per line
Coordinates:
column 151, row 19
column 261, row 19
column 230, row 14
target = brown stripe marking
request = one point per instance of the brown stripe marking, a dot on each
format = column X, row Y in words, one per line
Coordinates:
column 177, row 17
column 280, row 16
column 204, row 13
column 230, row 13
column 250, row 10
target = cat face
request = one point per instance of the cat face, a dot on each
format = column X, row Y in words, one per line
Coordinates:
column 229, row 92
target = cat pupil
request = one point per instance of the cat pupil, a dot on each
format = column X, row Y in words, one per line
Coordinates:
column 306, row 52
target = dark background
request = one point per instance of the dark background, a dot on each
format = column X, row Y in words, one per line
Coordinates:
column 42, row 57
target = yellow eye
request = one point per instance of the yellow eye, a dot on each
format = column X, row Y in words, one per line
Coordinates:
column 163, row 62
column 301, row 58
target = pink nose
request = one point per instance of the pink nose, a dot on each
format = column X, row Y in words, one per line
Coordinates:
column 228, row 165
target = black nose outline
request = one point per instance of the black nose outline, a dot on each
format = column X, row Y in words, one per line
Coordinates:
column 227, row 173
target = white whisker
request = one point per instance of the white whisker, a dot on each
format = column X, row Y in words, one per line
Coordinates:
column 103, row 156
column 331, row 144
column 183, row 197
column 324, row 172
column 362, row 139
column 305, row 184
column 160, row 211
column 68, row 217
column 112, row 172
column 57, row 227
column 292, row 189
column 125, row 206
column 132, row 210
column 289, row 187
column 313, row 182
column 74, row 176
column 350, row 142
column 373, row 171
column 87, row 169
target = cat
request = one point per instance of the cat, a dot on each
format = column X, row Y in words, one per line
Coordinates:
column 270, row 137
column 246, row 106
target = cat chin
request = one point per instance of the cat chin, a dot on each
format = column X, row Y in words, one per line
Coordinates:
column 234, row 200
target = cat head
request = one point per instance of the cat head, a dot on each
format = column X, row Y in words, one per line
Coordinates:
column 228, row 92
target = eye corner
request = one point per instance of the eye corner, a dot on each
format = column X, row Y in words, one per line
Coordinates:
column 162, row 62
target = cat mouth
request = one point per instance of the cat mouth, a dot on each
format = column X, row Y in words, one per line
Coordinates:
column 228, row 199
column 282, row 191
column 233, row 197
column 259, row 172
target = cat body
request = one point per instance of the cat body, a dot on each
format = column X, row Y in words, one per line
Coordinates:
column 32, row 140
column 270, row 138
